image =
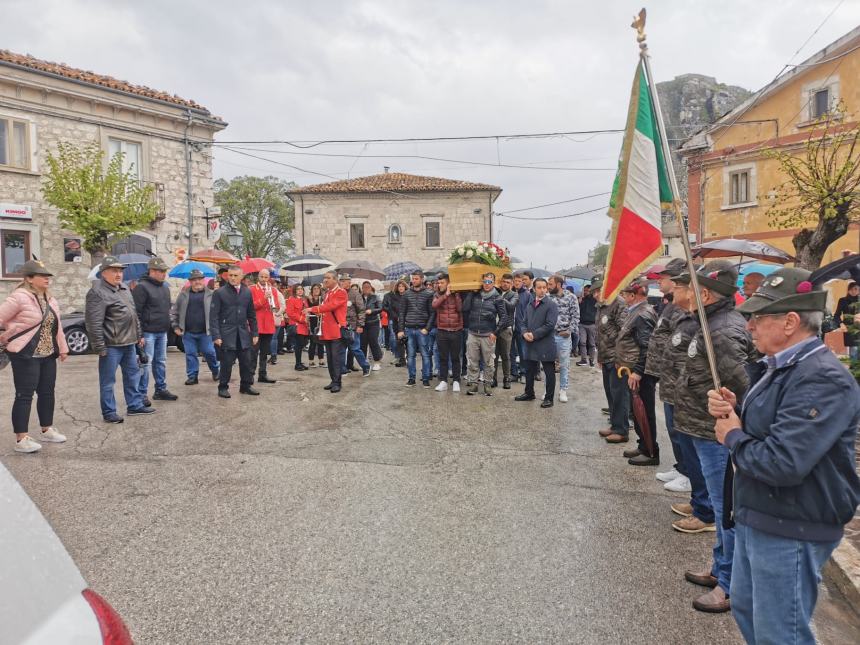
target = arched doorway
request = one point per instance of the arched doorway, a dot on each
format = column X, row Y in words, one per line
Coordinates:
column 132, row 244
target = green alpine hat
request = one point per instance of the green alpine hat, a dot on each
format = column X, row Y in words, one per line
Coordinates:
column 35, row 267
column 111, row 262
column 675, row 267
column 783, row 291
column 596, row 283
column 158, row 264
column 718, row 275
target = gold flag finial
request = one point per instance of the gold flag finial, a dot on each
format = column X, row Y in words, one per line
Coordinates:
column 639, row 25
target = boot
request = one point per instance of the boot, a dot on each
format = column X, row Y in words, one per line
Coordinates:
column 506, row 384
column 488, row 389
column 472, row 389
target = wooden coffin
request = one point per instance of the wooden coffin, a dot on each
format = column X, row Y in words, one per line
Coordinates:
column 466, row 276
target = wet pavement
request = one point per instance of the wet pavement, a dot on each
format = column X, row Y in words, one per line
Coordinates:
column 380, row 514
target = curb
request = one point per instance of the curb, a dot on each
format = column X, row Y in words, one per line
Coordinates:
column 844, row 570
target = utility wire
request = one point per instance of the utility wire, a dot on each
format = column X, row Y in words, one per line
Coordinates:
column 535, row 219
column 566, row 201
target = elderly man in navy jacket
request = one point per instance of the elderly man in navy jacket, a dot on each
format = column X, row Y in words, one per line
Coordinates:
column 792, row 445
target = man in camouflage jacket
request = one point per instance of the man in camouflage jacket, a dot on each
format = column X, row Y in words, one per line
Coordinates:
column 732, row 350
column 610, row 316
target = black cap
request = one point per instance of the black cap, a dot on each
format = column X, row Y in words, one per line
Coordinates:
column 195, row 273
column 718, row 275
column 675, row 267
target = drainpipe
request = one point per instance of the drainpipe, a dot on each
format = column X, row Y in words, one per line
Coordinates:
column 302, row 213
column 188, row 185
column 490, row 213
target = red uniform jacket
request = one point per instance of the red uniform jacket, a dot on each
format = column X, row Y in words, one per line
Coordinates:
column 333, row 309
column 295, row 315
column 263, row 308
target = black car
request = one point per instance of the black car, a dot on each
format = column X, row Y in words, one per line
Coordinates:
column 75, row 330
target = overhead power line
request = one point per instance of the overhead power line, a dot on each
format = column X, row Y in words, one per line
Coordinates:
column 313, row 144
column 535, row 219
column 566, row 201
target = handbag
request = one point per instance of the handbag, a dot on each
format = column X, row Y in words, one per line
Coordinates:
column 4, row 355
column 346, row 334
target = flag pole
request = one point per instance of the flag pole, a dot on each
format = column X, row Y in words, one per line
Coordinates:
column 639, row 26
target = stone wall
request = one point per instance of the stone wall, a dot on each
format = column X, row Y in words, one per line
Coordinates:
column 163, row 164
column 328, row 225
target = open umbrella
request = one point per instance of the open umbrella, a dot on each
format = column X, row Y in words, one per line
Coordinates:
column 731, row 247
column 432, row 273
column 641, row 415
column 136, row 267
column 183, row 269
column 394, row 271
column 583, row 273
column 308, row 280
column 847, row 268
column 765, row 268
column 255, row 265
column 538, row 273
column 304, row 265
column 362, row 269
column 215, row 256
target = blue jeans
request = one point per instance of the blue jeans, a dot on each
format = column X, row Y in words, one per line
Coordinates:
column 669, row 413
column 355, row 348
column 199, row 342
column 395, row 342
column 699, row 499
column 125, row 358
column 713, row 457
column 775, row 586
column 562, row 346
column 156, row 350
column 417, row 342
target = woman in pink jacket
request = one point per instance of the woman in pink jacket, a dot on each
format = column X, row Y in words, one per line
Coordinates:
column 33, row 337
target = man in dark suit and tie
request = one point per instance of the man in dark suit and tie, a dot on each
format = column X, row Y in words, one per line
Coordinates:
column 233, row 325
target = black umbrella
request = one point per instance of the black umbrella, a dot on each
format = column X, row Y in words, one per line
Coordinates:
column 302, row 265
column 363, row 269
column 582, row 273
column 731, row 247
column 847, row 268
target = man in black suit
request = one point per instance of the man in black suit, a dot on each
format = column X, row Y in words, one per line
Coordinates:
column 233, row 327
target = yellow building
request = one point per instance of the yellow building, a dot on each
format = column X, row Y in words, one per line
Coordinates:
column 732, row 181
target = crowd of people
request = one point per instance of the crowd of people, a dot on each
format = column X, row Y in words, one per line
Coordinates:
column 767, row 457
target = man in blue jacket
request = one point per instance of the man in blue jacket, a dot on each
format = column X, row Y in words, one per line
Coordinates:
column 792, row 446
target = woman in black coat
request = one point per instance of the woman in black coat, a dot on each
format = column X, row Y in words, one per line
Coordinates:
column 391, row 306
column 846, row 310
column 539, row 337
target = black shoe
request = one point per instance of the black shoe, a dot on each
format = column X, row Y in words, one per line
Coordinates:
column 113, row 418
column 329, row 386
column 365, row 372
column 164, row 395
column 301, row 368
column 146, row 402
column 289, row 351
column 265, row 379
column 590, row 363
column 644, row 460
column 334, row 389
column 191, row 380
column 215, row 376
column 410, row 383
column 273, row 361
column 546, row 403
column 249, row 390
column 581, row 363
column 525, row 397
column 495, row 382
column 506, row 384
column 224, row 394
column 137, row 411
column 425, row 383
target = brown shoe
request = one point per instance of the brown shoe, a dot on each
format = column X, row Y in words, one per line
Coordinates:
column 713, row 602
column 692, row 524
column 684, row 510
column 703, row 579
column 616, row 438
column 605, row 432
column 633, row 452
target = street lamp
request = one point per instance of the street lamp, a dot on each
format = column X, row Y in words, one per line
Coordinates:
column 316, row 249
column 235, row 239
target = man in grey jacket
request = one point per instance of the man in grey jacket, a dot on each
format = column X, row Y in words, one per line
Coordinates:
column 566, row 328
column 190, row 319
column 114, row 330
column 487, row 316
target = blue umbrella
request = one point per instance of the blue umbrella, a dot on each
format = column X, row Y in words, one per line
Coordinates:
column 134, row 271
column 398, row 269
column 183, row 269
column 755, row 267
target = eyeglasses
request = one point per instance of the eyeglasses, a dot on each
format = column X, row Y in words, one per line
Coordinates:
column 756, row 317
column 489, row 282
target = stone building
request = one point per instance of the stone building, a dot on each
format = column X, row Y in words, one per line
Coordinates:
column 392, row 217
column 43, row 104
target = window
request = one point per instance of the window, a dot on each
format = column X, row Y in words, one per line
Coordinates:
column 820, row 103
column 432, row 234
column 356, row 236
column 132, row 161
column 395, row 234
column 72, row 249
column 15, row 249
column 739, row 187
column 14, row 143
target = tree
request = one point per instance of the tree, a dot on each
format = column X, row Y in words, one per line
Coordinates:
column 258, row 208
column 598, row 254
column 94, row 202
column 820, row 192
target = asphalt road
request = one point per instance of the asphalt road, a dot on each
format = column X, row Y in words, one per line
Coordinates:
column 381, row 514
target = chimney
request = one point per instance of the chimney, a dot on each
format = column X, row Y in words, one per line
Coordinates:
column 387, row 168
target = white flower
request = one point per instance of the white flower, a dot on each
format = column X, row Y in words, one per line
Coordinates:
column 493, row 251
column 460, row 250
column 469, row 254
column 481, row 249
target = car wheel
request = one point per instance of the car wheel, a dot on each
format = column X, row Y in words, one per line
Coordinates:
column 78, row 341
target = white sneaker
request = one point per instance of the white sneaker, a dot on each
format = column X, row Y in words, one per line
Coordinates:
column 456, row 388
column 668, row 476
column 442, row 387
column 27, row 445
column 562, row 396
column 53, row 436
column 679, row 485
column 376, row 367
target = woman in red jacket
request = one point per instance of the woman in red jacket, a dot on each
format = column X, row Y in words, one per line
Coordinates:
column 333, row 310
column 297, row 323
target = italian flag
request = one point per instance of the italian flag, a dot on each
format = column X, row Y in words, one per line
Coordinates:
column 641, row 188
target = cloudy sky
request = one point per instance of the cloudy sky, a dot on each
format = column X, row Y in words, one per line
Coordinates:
column 311, row 71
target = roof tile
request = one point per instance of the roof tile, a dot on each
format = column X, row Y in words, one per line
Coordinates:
column 397, row 182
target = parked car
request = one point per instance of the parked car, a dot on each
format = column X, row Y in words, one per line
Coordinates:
column 75, row 329
column 44, row 599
